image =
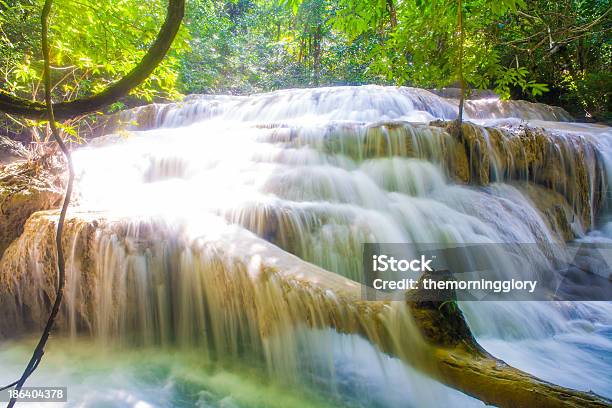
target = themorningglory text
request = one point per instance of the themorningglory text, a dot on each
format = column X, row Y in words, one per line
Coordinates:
column 495, row 286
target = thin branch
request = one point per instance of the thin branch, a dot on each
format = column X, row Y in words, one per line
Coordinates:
column 39, row 351
column 63, row 78
column 567, row 30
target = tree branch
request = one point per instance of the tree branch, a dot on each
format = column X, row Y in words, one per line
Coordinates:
column 65, row 110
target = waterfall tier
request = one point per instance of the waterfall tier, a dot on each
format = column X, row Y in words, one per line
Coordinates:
column 235, row 298
column 159, row 254
column 369, row 103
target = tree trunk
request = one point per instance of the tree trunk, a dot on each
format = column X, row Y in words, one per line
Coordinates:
column 317, row 55
column 461, row 80
column 392, row 14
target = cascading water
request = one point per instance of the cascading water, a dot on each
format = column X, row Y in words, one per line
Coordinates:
column 319, row 172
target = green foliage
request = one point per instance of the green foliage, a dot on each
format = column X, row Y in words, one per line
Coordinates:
column 93, row 43
column 508, row 77
column 566, row 44
column 245, row 46
column 423, row 47
column 557, row 52
column 591, row 92
column 19, row 33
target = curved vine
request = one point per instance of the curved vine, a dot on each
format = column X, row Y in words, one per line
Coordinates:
column 65, row 110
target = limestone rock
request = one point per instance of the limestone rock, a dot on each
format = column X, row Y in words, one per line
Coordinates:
column 11, row 150
column 26, row 187
column 566, row 164
column 557, row 213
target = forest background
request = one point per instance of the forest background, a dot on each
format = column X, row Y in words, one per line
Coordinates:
column 556, row 52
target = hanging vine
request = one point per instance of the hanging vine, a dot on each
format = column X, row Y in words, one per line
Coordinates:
column 14, row 105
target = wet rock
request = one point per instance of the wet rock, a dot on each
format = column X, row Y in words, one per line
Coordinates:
column 567, row 164
column 156, row 115
column 558, row 214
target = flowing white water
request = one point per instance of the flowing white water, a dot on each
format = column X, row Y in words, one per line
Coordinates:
column 369, row 103
column 318, row 173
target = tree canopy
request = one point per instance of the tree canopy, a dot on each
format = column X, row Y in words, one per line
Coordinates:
column 557, row 52
column 83, row 56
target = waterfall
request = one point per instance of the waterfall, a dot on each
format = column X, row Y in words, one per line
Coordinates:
column 157, row 245
column 145, row 283
column 370, row 103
